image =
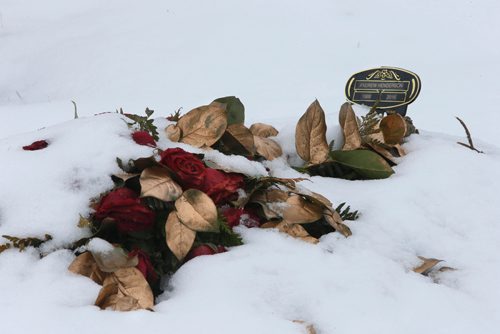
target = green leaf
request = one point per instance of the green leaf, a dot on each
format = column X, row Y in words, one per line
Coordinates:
column 234, row 108
column 149, row 112
column 367, row 164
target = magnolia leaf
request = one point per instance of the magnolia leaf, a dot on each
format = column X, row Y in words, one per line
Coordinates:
column 310, row 135
column 142, row 163
column 296, row 231
column 319, row 198
column 367, row 164
column 123, row 177
column 234, row 108
column 388, row 153
column 350, row 128
column 180, row 238
column 125, row 290
column 426, row 266
column 237, row 140
column 315, row 198
column 267, row 181
column 400, row 149
column 84, row 264
column 197, row 211
column 267, row 148
column 263, row 130
column 203, row 125
column 173, row 133
column 113, row 260
column 393, row 128
column 156, row 182
column 329, row 213
column 301, row 211
column 272, row 201
column 271, row 224
column 333, row 218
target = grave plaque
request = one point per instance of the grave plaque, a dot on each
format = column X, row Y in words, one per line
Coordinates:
column 386, row 88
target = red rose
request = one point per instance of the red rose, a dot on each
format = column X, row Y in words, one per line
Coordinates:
column 125, row 208
column 144, row 265
column 188, row 168
column 37, row 145
column 220, row 186
column 143, row 138
column 236, row 216
column 205, row 249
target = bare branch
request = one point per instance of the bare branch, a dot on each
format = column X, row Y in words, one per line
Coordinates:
column 469, row 138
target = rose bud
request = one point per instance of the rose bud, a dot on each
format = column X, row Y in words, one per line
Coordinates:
column 188, row 168
column 220, row 186
column 143, row 138
column 126, row 209
column 205, row 249
column 37, row 145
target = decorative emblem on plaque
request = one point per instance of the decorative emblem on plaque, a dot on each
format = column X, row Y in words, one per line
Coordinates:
column 386, row 88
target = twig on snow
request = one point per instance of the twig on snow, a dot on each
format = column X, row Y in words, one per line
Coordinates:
column 469, row 138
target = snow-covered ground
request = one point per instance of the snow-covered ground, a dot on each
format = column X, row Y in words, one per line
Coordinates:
column 277, row 57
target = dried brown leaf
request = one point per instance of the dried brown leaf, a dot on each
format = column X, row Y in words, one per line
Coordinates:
column 301, row 211
column 173, row 132
column 125, row 290
column 333, row 218
column 156, row 182
column 393, row 128
column 267, row 181
column 400, row 149
column 315, row 198
column 197, row 211
column 203, row 125
column 238, row 140
column 269, row 224
column 263, row 130
column 123, row 177
column 272, row 201
column 386, row 153
column 267, row 148
column 426, row 266
column 179, row 237
column 84, row 264
column 329, row 213
column 309, row 327
column 310, row 135
column 296, row 231
column 350, row 128
column 142, row 163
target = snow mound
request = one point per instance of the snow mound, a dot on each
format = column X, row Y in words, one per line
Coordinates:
column 441, row 203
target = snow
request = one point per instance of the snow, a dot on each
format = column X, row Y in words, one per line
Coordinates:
column 100, row 246
column 277, row 57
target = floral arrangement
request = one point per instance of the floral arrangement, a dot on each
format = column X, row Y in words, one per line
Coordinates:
column 172, row 206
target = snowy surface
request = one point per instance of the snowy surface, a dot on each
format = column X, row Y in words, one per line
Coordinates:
column 442, row 202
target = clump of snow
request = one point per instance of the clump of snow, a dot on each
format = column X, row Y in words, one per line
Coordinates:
column 236, row 163
column 440, row 203
column 100, row 246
